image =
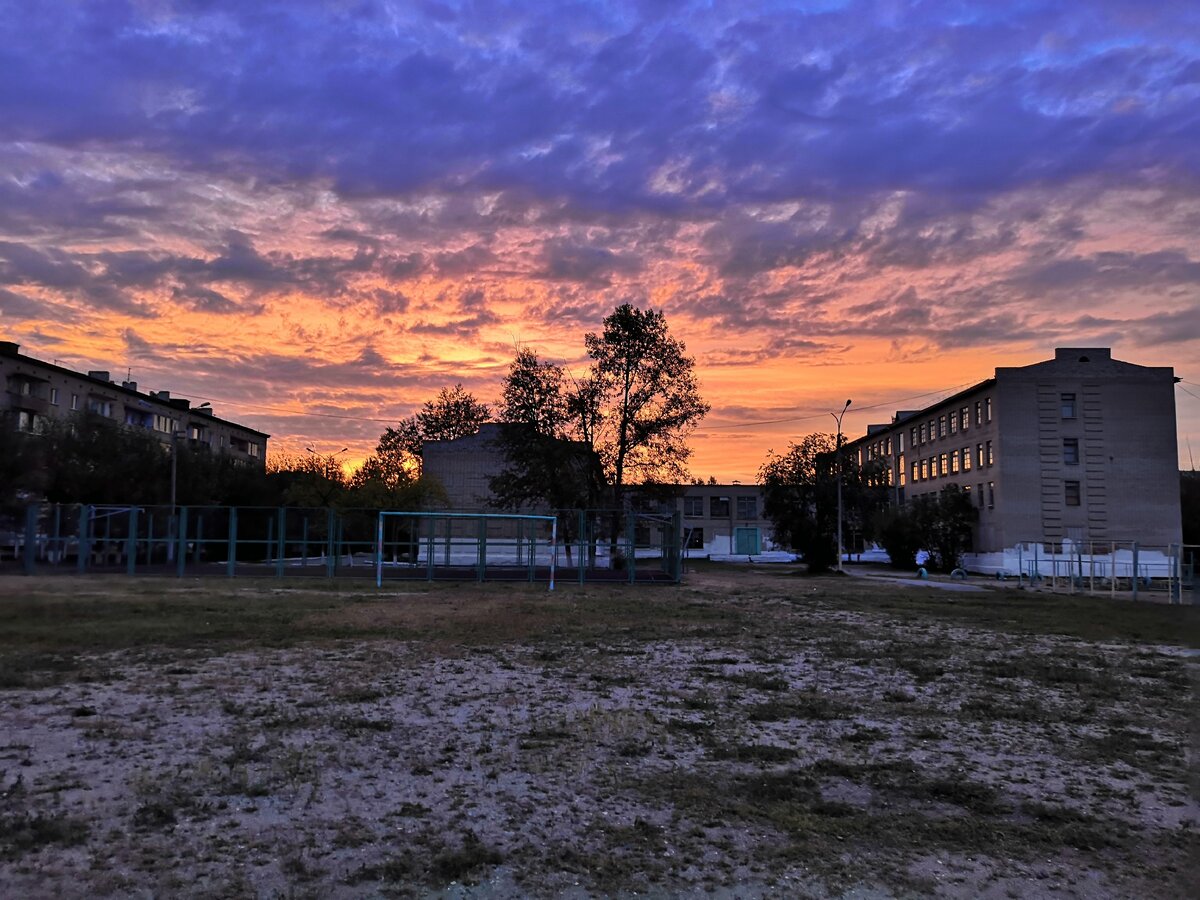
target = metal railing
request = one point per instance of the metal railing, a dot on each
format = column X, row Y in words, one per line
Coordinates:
column 592, row 545
column 1110, row 567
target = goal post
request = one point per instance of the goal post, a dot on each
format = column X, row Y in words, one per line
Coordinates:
column 458, row 539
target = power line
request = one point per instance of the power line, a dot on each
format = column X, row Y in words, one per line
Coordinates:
column 879, row 405
column 292, row 412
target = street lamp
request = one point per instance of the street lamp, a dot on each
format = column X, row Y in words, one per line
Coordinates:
column 838, row 451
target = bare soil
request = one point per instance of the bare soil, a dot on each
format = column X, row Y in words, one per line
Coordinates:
column 747, row 734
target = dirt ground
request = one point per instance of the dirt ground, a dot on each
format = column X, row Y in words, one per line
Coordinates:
column 744, row 735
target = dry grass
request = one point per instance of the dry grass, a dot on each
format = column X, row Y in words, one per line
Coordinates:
column 763, row 732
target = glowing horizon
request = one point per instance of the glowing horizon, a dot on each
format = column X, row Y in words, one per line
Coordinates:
column 340, row 211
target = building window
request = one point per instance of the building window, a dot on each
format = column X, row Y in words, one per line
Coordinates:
column 990, row 458
column 25, row 420
column 954, row 463
column 695, row 539
column 1068, row 406
column 981, row 495
column 944, row 468
column 922, row 432
column 941, row 426
column 912, row 436
column 718, row 507
column 987, row 409
column 899, row 441
column 954, row 422
column 924, row 470
column 75, row 401
column 978, row 413
column 1071, row 451
column 991, row 494
column 979, row 456
column 965, row 415
column 916, row 471
column 101, row 407
column 54, row 396
column 932, row 430
column 967, row 492
column 1071, row 493
column 747, row 507
column 966, row 458
column 887, row 447
column 254, row 450
column 693, row 507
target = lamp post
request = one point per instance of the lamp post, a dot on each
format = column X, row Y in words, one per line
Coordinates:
column 838, row 452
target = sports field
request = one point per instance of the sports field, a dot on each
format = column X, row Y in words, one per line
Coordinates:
column 751, row 733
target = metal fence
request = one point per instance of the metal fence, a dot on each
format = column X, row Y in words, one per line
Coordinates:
column 1111, row 567
column 187, row 541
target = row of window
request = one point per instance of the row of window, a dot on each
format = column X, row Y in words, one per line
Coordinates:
column 718, row 507
column 951, row 423
column 943, row 426
column 950, row 463
column 984, row 493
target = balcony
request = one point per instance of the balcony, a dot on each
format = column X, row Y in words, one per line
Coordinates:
column 34, row 404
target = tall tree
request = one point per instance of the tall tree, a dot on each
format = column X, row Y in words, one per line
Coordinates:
column 640, row 401
column 454, row 413
column 546, row 460
column 800, row 496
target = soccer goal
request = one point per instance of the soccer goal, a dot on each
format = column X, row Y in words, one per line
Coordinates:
column 461, row 546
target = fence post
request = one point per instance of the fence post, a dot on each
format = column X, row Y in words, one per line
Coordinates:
column 1134, row 581
column 330, row 524
column 131, row 542
column 304, row 544
column 181, row 547
column 83, row 540
column 481, row 549
column 58, row 541
column 29, row 551
column 584, row 545
column 281, row 538
column 231, row 554
column 630, row 550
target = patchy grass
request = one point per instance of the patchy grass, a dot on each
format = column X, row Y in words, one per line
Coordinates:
column 746, row 732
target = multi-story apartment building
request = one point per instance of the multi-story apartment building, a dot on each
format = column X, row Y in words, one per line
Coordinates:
column 36, row 390
column 1081, row 447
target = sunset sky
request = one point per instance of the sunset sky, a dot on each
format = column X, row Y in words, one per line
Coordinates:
column 315, row 215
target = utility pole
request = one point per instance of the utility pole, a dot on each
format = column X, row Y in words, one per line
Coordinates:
column 838, row 451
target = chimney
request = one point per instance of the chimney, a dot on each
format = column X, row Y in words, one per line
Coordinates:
column 9, row 348
column 129, row 385
column 161, row 395
column 99, row 375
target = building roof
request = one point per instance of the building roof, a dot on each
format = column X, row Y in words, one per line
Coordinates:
column 12, row 350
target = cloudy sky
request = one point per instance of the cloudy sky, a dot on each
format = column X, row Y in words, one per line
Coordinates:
column 317, row 214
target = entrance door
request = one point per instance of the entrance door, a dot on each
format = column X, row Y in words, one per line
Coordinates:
column 746, row 541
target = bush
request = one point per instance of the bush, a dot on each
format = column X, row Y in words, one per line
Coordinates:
column 900, row 536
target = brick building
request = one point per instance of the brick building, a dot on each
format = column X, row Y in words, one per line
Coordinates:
column 1081, row 447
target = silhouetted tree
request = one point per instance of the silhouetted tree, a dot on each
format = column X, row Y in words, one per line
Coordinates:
column 800, row 497
column 1189, row 502
column 640, row 401
column 454, row 413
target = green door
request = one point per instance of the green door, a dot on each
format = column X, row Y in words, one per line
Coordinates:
column 746, row 541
